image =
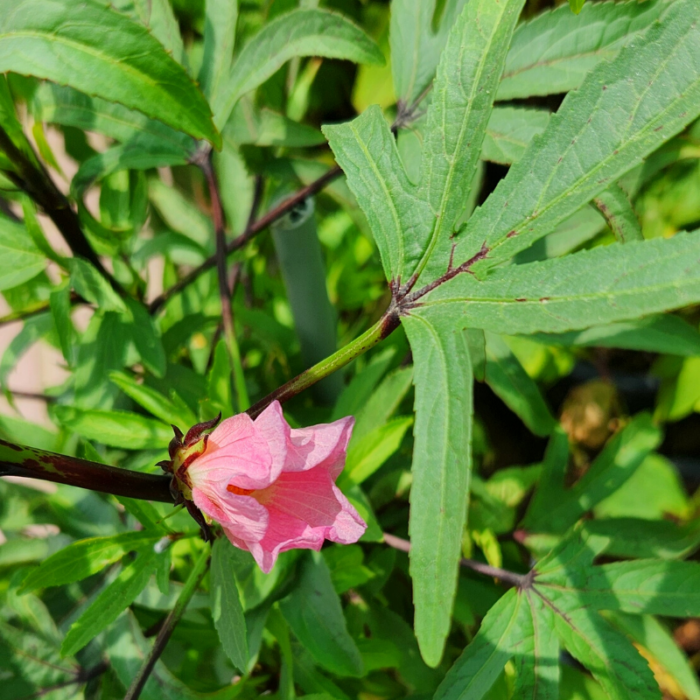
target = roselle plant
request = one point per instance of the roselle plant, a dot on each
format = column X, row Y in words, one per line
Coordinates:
column 506, row 210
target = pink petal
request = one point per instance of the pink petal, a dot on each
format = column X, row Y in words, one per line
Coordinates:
column 241, row 514
column 304, row 509
column 275, row 430
column 236, row 453
column 322, row 445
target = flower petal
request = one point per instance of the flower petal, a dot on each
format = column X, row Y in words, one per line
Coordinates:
column 322, row 445
column 275, row 430
column 236, row 453
column 243, row 515
column 304, row 509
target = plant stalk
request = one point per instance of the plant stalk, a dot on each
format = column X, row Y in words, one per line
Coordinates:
column 33, row 179
column 251, row 231
column 16, row 460
column 518, row 580
column 194, row 579
column 239, row 386
column 386, row 325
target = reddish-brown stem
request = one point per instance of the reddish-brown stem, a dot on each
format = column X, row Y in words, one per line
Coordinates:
column 17, row 460
column 33, row 179
column 519, row 580
column 251, row 231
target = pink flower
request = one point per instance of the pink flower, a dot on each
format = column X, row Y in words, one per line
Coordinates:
column 272, row 488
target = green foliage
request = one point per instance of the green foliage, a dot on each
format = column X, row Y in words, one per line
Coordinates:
column 501, row 252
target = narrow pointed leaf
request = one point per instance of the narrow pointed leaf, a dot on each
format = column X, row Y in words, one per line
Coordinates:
column 441, row 470
column 604, row 285
column 669, row 588
column 509, row 380
column 101, row 52
column 321, row 627
column 226, row 609
column 510, row 131
column 220, row 19
column 476, row 670
column 465, row 87
column 536, row 652
column 111, row 602
column 85, row 558
column 366, row 150
column 607, row 654
column 20, row 259
column 415, row 46
column 553, row 52
column 302, row 32
column 624, row 110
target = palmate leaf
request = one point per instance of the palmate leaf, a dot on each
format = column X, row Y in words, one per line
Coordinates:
column 623, row 111
column 441, row 469
column 408, row 221
column 553, row 52
column 102, row 52
column 604, row 285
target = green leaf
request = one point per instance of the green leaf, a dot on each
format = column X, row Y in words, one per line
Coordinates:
column 146, row 337
column 506, row 376
column 603, row 285
column 31, row 664
column 154, row 402
column 615, row 206
column 360, row 389
column 459, row 113
column 126, row 648
column 115, row 428
column 587, row 146
column 510, row 131
column 536, row 652
column 320, row 626
column 368, row 454
column 20, row 259
column 101, row 52
column 86, row 558
column 477, row 669
column 226, row 607
column 664, row 333
column 61, row 311
column 607, row 654
column 576, row 5
column 648, row 632
column 382, row 404
column 613, row 466
column 220, row 19
column 111, row 602
column 669, row 588
column 441, row 470
column 554, row 52
column 366, row 150
column 638, row 538
column 140, row 154
column 415, row 46
column 302, row 32
column 263, row 127
column 655, row 490
column 33, row 330
column 91, row 285
column 60, row 104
